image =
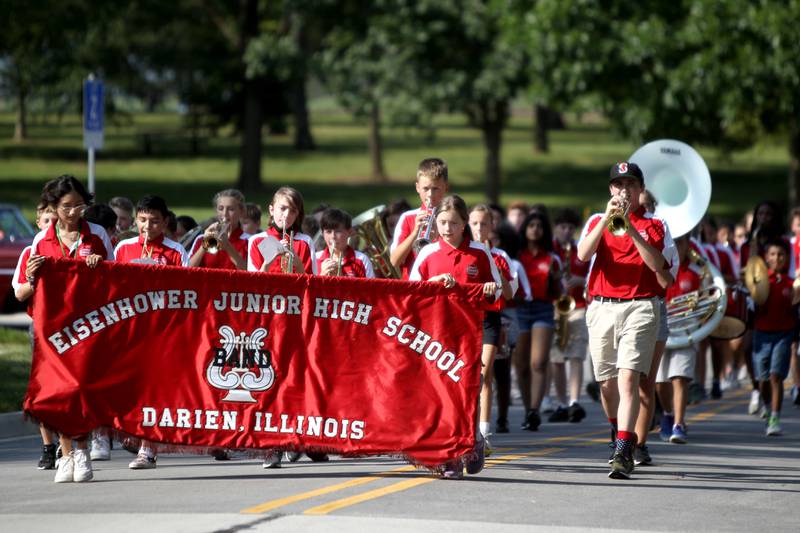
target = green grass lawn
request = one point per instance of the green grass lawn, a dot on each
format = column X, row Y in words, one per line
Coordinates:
column 572, row 174
column 15, row 368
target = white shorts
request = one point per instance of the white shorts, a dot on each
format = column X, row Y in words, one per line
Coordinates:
column 677, row 364
column 578, row 344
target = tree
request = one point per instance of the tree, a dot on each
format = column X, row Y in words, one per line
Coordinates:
column 37, row 47
column 489, row 70
column 721, row 73
column 368, row 61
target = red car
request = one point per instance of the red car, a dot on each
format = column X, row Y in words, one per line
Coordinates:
column 15, row 234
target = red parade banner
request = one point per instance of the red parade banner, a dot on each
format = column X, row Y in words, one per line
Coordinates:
column 243, row 360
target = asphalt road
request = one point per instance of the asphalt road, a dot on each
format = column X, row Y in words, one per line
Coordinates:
column 730, row 477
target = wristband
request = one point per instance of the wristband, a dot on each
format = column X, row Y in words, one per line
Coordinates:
column 31, row 280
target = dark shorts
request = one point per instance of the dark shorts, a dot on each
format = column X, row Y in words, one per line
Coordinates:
column 772, row 353
column 491, row 328
column 535, row 314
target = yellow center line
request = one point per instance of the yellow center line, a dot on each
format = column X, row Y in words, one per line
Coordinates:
column 411, row 483
column 280, row 502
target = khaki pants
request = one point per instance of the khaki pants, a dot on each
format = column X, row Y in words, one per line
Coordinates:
column 622, row 335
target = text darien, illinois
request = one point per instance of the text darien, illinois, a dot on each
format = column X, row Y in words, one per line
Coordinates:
column 224, row 420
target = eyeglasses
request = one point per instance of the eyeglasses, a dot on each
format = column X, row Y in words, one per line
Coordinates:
column 69, row 209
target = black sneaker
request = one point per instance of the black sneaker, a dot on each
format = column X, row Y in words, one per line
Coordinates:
column 501, row 426
column 593, row 390
column 612, row 445
column 621, row 466
column 716, row 390
column 575, row 413
column 641, row 456
column 221, row 455
column 533, row 420
column 318, row 457
column 559, row 415
column 48, row 459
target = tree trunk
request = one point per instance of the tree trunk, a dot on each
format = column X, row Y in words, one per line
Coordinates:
column 298, row 100
column 492, row 140
column 794, row 164
column 541, row 118
column 252, row 114
column 376, row 145
column 250, row 154
column 299, row 104
column 21, row 122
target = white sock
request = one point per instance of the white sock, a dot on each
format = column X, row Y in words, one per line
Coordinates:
column 147, row 451
column 484, row 427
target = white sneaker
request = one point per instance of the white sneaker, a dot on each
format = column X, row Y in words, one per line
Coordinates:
column 101, row 448
column 272, row 461
column 547, row 405
column 65, row 469
column 142, row 462
column 743, row 376
column 83, row 466
column 755, row 403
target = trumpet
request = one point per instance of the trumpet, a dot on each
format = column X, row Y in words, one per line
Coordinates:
column 338, row 261
column 424, row 233
column 617, row 221
column 287, row 260
column 564, row 305
column 211, row 242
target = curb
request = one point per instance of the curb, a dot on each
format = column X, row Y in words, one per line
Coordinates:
column 14, row 425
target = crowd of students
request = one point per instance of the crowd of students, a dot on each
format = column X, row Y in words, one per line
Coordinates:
column 527, row 260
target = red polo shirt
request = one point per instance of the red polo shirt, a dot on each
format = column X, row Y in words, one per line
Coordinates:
column 727, row 262
column 303, row 248
column 221, row 259
column 503, row 264
column 469, row 263
column 404, row 228
column 93, row 239
column 576, row 268
column 354, row 263
column 687, row 280
column 524, row 288
column 618, row 271
column 19, row 272
column 537, row 268
column 162, row 250
column 777, row 313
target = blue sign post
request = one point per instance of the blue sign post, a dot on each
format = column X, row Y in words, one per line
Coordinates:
column 93, row 94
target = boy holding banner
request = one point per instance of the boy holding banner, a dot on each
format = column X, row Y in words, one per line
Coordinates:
column 150, row 247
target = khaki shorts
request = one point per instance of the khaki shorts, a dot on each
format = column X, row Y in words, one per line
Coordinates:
column 622, row 335
column 677, row 364
column 578, row 343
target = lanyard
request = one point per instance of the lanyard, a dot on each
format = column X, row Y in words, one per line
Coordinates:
column 64, row 251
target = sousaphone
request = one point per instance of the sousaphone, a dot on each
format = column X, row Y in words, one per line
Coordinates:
column 679, row 180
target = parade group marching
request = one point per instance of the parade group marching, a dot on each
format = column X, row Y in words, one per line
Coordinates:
column 556, row 287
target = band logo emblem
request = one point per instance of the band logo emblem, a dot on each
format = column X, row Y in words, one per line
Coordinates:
column 472, row 271
column 241, row 366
